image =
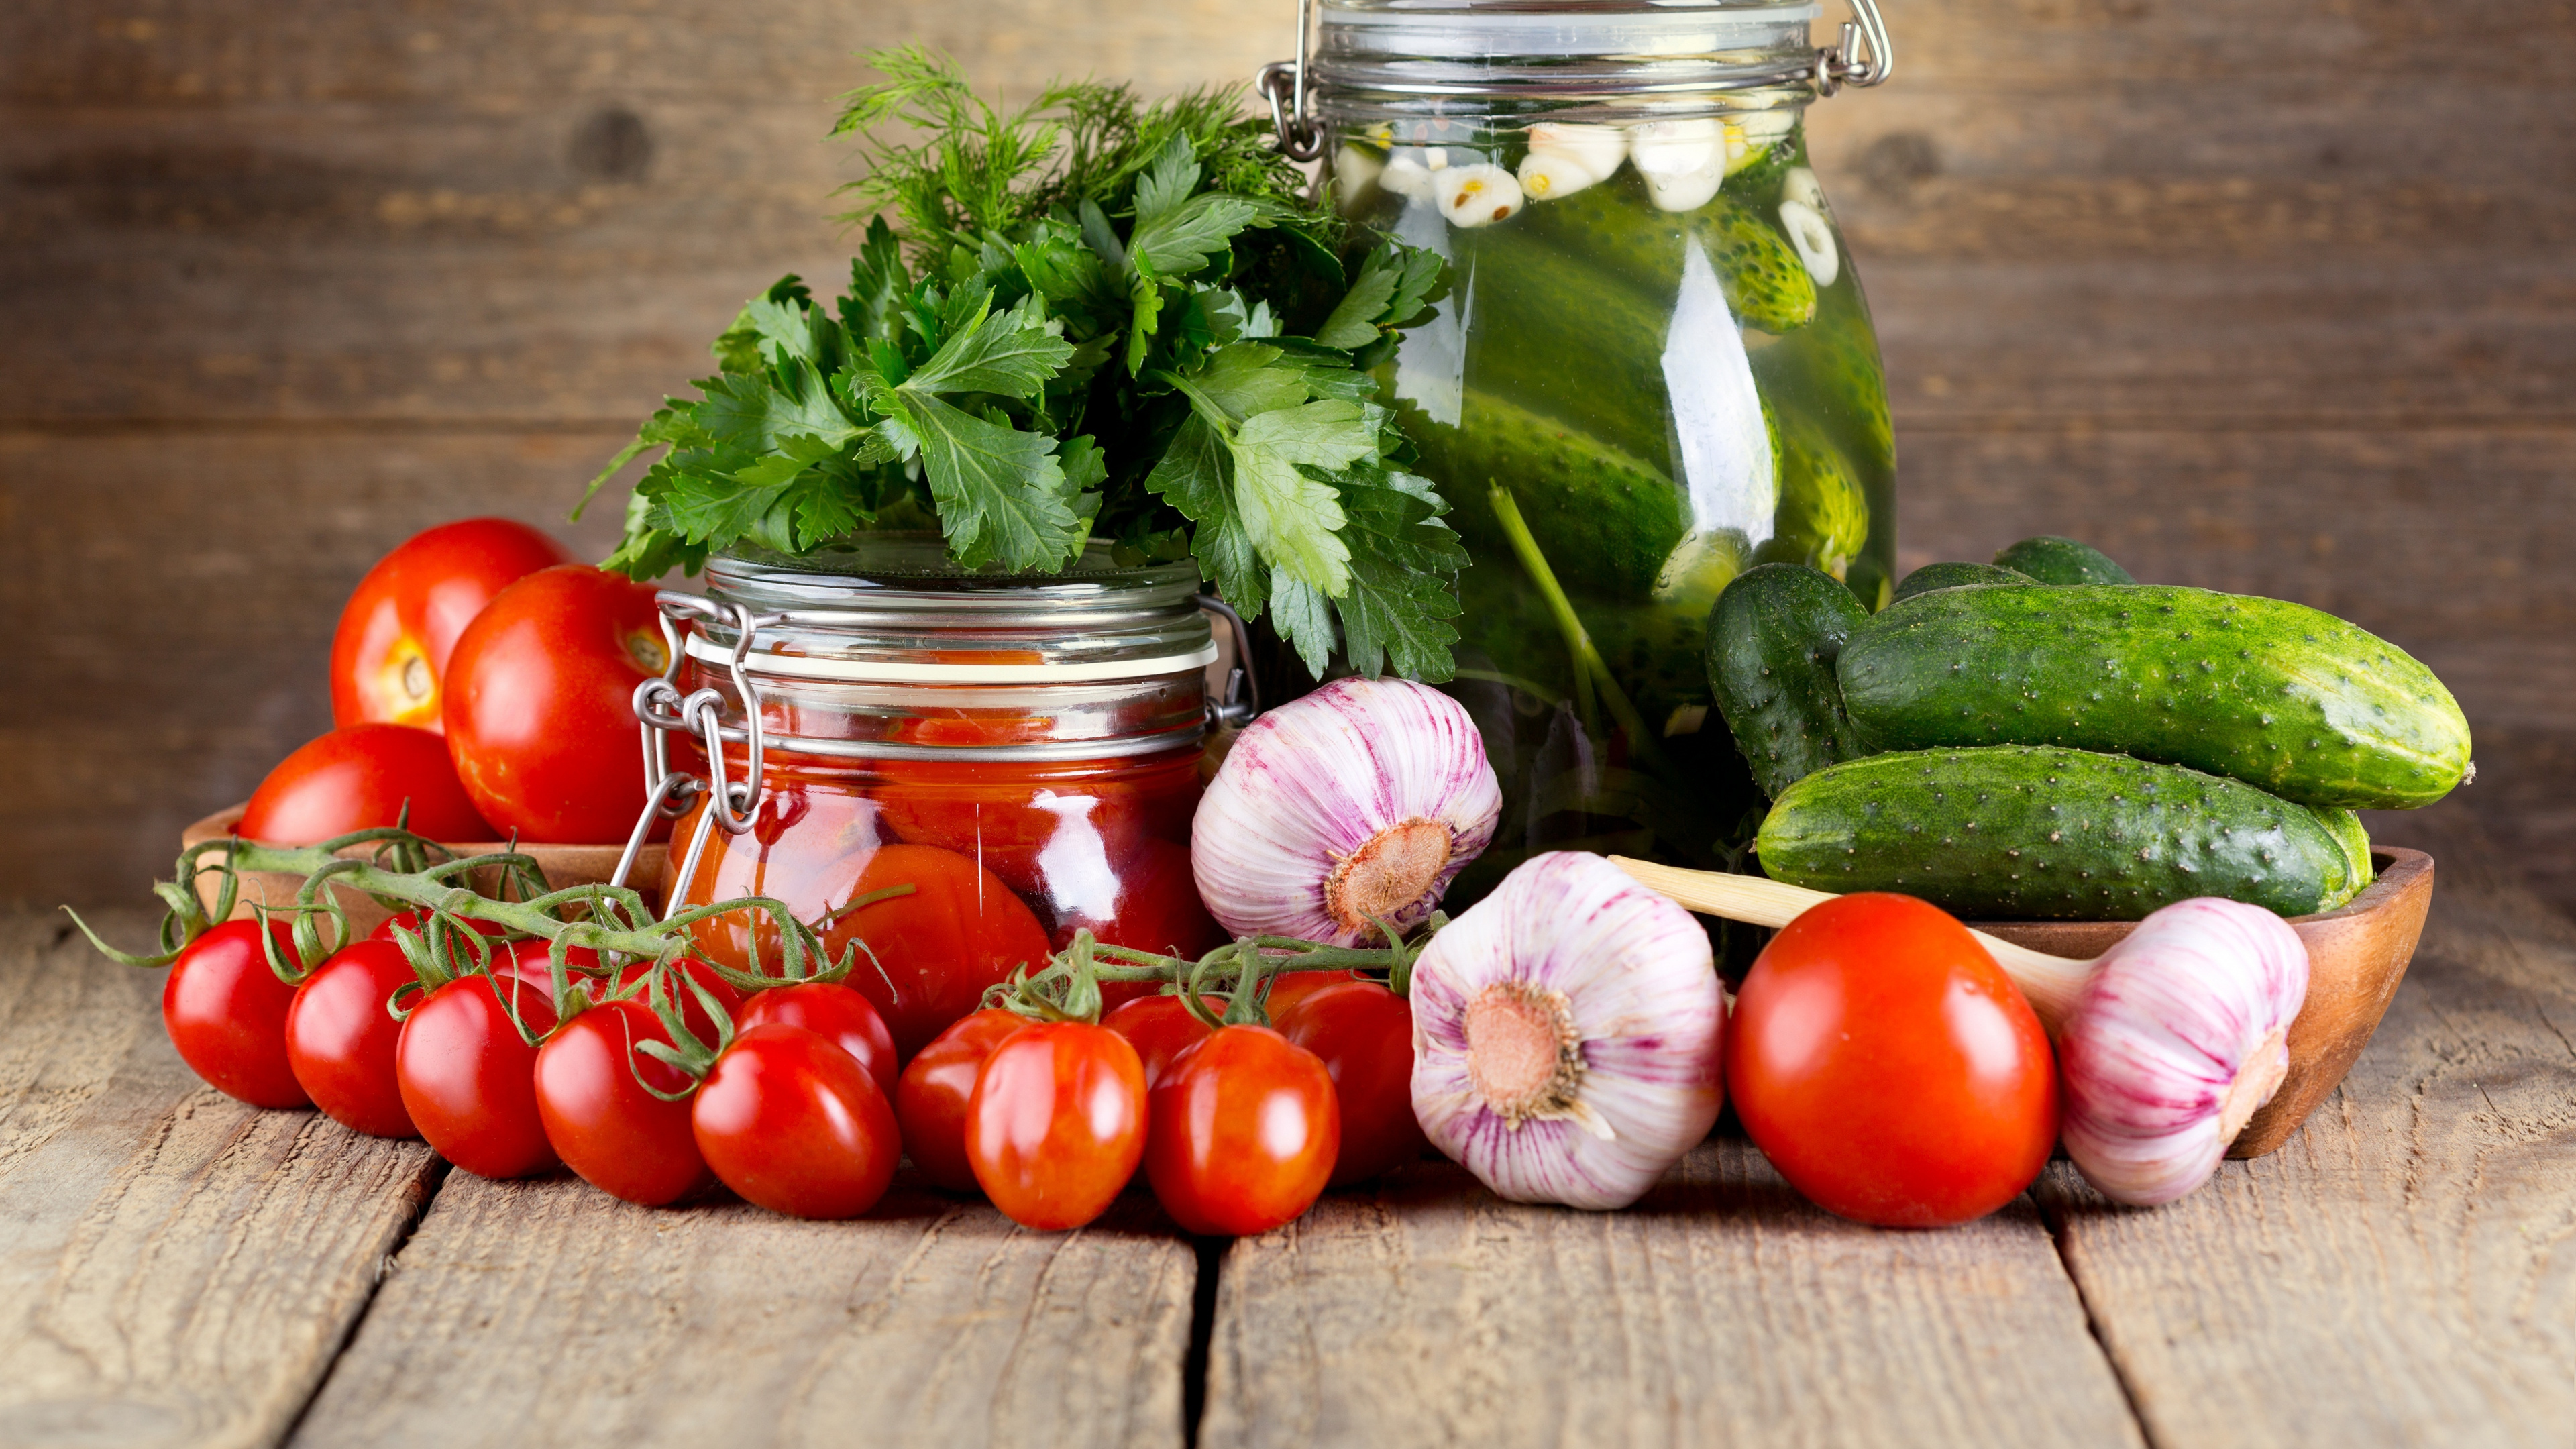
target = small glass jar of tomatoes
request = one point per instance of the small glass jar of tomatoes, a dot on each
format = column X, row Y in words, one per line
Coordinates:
column 958, row 769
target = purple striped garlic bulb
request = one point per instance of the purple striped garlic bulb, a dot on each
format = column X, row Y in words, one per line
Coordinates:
column 2176, row 1039
column 1359, row 803
column 1567, row 1035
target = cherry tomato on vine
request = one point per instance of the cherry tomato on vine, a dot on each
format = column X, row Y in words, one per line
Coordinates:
column 417, row 922
column 837, row 1014
column 1290, row 987
column 1888, row 1067
column 340, row 1038
column 400, row 626
column 540, row 704
column 358, row 778
column 1159, row 1028
column 531, row 961
column 794, row 1124
column 930, row 1098
column 468, row 1079
column 693, row 1012
column 226, row 1011
column 1057, row 1123
column 1244, row 1132
column 1363, row 1034
column 619, row 1137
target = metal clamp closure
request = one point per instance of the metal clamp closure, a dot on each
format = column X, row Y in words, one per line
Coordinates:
column 1864, row 57
column 661, row 711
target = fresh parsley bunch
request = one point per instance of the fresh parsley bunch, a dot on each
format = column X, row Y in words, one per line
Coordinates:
column 1100, row 319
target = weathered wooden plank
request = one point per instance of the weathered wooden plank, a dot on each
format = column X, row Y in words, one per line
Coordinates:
column 176, row 1268
column 548, row 1313
column 1722, row 1309
column 2400, row 1272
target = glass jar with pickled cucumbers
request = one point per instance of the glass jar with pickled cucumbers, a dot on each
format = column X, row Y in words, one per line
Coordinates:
column 1652, row 370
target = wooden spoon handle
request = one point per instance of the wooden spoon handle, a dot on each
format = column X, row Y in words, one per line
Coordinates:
column 2049, row 982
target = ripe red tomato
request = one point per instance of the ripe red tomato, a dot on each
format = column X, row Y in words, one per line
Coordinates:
column 1057, row 1123
column 398, row 629
column 1889, row 1068
column 359, row 778
column 693, row 1012
column 1244, row 1132
column 796, row 1125
column 340, row 1038
column 540, row 704
column 1290, row 987
column 1363, row 1034
column 837, row 1014
column 930, row 1098
column 468, row 1079
column 1159, row 1028
column 531, row 961
column 620, row 1138
column 1157, row 909
column 226, row 1011
column 417, row 922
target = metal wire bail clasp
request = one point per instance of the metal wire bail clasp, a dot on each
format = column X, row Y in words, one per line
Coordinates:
column 1283, row 84
column 1864, row 57
column 661, row 711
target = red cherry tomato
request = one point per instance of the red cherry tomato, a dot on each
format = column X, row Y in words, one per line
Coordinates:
column 1157, row 909
column 540, row 704
column 1889, row 1068
column 1244, row 1132
column 359, row 778
column 930, row 1098
column 1363, row 1034
column 838, row 1015
column 620, row 1138
column 1057, row 1123
column 693, row 1012
column 340, row 1038
column 794, row 1123
column 1290, row 987
column 530, row 961
column 226, row 1011
column 398, row 629
column 417, row 922
column 468, row 1078
column 1159, row 1028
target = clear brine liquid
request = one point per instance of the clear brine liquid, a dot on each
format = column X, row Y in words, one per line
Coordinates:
column 1668, row 397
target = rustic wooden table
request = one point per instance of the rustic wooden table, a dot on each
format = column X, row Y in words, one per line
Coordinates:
column 178, row 1268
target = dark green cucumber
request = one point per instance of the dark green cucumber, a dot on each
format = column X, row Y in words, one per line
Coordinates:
column 1605, row 520
column 2031, row 832
column 1772, row 640
column 2265, row 691
column 2347, row 830
column 1564, row 338
column 1615, row 227
column 1843, row 380
column 1958, row 576
column 2054, row 560
column 1823, row 514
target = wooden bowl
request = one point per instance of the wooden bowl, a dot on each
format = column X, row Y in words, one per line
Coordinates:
column 2356, row 957
column 564, row 865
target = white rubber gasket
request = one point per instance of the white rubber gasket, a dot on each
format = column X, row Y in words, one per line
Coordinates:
column 870, row 671
column 1446, row 32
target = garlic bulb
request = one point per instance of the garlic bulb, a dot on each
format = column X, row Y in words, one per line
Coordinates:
column 1683, row 162
column 1566, row 1035
column 1813, row 239
column 1362, row 800
column 1565, row 158
column 2178, row 1036
column 1479, row 194
column 1405, row 177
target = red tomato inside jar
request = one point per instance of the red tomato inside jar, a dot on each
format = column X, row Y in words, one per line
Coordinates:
column 958, row 772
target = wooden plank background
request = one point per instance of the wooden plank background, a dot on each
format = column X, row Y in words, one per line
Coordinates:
column 2277, row 298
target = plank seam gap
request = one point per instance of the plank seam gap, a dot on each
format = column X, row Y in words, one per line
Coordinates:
column 440, row 1169
column 2055, row 1222
column 1194, row 1364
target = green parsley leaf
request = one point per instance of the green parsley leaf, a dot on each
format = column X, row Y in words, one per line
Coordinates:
column 1295, row 520
column 1001, row 492
column 1196, row 476
column 1011, row 354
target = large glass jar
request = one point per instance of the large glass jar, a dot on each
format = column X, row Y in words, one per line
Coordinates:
column 958, row 769
column 1653, row 369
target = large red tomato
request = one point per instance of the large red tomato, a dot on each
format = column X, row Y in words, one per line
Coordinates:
column 1057, row 1123
column 1888, row 1067
column 340, row 1038
column 468, row 1079
column 359, row 778
column 1244, row 1130
column 838, row 1015
column 398, row 629
column 1159, row 1028
column 930, row 1099
column 226, row 1011
column 796, row 1125
column 540, row 704
column 1363, row 1034
column 621, row 1138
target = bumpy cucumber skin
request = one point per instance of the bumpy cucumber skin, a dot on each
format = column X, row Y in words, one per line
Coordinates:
column 1958, row 576
column 2273, row 693
column 1765, row 283
column 1823, row 513
column 1772, row 640
column 1605, row 520
column 2032, row 832
column 2347, row 830
column 2054, row 560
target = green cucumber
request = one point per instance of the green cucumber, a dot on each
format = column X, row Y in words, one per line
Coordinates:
column 2033, row 832
column 2269, row 692
column 1772, row 640
column 1566, row 339
column 1766, row 285
column 2054, row 560
column 1606, row 520
column 1616, row 228
column 1842, row 376
column 2348, row 832
column 1958, row 576
column 1823, row 514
